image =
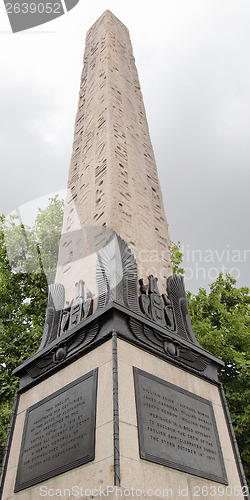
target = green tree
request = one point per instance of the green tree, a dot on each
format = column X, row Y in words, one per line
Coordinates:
column 27, row 255
column 47, row 230
column 221, row 323
column 176, row 257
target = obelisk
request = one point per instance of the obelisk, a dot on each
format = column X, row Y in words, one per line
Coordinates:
column 120, row 400
column 113, row 181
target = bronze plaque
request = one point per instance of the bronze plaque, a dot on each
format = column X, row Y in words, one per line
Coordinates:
column 59, row 432
column 177, row 428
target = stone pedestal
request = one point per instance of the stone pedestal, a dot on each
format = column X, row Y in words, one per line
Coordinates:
column 117, row 345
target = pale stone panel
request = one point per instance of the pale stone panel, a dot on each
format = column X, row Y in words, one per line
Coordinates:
column 8, row 490
column 104, row 441
column 156, row 476
column 17, row 438
column 104, row 412
column 129, row 441
column 88, row 477
column 223, row 432
column 96, row 358
column 133, row 356
column 215, row 490
column 101, row 357
column 132, row 473
column 127, row 410
column 170, row 482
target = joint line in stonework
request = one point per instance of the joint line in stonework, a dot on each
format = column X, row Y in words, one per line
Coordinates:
column 115, row 412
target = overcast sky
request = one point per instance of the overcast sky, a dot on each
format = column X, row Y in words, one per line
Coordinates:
column 193, row 62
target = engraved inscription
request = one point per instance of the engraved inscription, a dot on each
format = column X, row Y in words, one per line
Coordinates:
column 177, row 428
column 59, row 432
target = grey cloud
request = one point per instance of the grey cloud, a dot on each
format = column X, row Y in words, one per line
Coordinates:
column 31, row 166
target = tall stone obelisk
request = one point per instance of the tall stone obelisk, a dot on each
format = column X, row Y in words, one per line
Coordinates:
column 120, row 400
column 113, row 182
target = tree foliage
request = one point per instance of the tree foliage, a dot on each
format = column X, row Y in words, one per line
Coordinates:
column 176, row 257
column 221, row 323
column 25, row 254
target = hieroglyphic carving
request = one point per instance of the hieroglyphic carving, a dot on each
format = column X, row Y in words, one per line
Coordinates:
column 169, row 311
column 113, row 178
